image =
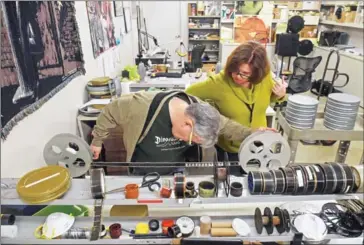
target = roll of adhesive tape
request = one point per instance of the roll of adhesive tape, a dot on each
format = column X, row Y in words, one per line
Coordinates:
column 9, row 231
column 206, row 189
column 7, row 219
column 205, row 225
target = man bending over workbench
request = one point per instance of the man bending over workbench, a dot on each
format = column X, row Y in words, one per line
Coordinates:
column 164, row 126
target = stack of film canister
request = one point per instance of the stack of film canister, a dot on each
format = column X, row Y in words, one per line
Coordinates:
column 301, row 111
column 341, row 111
column 326, row 178
column 100, row 88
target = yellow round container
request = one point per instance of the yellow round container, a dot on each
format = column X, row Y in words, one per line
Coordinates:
column 44, row 184
column 142, row 228
column 100, row 81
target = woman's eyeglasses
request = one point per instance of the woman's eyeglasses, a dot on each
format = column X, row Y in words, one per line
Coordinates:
column 243, row 76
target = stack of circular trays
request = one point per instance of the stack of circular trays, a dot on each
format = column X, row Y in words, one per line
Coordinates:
column 301, row 111
column 341, row 111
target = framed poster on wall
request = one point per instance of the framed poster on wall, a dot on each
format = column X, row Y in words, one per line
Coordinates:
column 118, row 8
column 127, row 19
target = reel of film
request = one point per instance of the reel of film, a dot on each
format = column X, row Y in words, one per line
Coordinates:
column 279, row 181
column 264, row 150
column 68, row 151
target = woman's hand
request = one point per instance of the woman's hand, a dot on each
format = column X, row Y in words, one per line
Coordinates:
column 279, row 88
column 96, row 151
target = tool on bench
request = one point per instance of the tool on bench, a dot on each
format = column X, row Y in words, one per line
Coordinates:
column 150, row 180
column 280, row 220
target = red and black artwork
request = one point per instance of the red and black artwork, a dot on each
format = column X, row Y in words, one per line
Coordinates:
column 101, row 26
column 40, row 53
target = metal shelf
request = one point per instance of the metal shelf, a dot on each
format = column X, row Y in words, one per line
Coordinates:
column 349, row 25
column 28, row 224
column 202, row 17
column 80, row 194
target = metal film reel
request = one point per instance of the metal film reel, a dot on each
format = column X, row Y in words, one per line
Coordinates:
column 279, row 181
column 330, row 178
column 264, row 150
column 290, row 179
column 69, row 151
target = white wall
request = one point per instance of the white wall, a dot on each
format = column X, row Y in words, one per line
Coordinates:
column 23, row 149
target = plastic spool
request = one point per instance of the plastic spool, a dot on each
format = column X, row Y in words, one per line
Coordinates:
column 186, row 225
column 69, row 151
column 341, row 111
column 279, row 181
column 269, row 149
column 269, row 221
column 301, row 111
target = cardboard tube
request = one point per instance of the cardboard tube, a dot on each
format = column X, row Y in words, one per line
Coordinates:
column 265, row 220
column 221, row 225
column 205, row 225
column 276, row 220
column 223, row 232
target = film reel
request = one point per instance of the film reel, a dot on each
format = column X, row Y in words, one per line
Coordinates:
column 311, row 182
column 300, row 180
column 358, row 173
column 255, row 182
column 330, row 178
column 264, row 150
column 269, row 220
column 289, row 177
column 319, row 179
column 279, row 181
column 268, row 183
column 349, row 177
column 340, row 178
column 69, row 151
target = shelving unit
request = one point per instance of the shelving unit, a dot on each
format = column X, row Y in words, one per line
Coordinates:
column 79, row 194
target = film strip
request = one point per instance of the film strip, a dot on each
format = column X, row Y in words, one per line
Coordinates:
column 97, row 177
column 279, row 181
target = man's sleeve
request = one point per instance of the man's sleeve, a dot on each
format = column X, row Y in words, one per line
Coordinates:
column 108, row 118
column 232, row 130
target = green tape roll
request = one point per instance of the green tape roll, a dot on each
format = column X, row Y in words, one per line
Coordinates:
column 206, row 189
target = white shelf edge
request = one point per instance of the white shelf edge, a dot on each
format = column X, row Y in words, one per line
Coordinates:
column 349, row 25
column 28, row 224
column 80, row 194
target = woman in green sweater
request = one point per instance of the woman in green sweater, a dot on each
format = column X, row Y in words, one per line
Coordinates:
column 242, row 91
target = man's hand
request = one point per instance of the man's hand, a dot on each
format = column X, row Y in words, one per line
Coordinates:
column 279, row 88
column 96, row 151
column 265, row 129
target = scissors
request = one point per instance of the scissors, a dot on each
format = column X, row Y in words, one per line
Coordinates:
column 150, row 180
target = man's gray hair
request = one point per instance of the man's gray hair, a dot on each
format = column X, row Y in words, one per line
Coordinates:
column 206, row 122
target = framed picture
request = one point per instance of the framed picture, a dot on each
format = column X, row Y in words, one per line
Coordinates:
column 118, row 8
column 127, row 19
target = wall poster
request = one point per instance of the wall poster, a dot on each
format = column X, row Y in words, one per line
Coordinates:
column 40, row 54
